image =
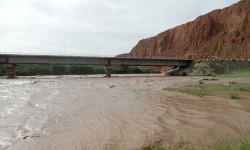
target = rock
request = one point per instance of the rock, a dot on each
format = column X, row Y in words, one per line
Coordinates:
column 112, row 86
column 219, row 34
column 210, row 79
column 230, row 83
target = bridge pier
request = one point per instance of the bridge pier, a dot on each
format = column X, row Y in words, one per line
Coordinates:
column 10, row 71
column 108, row 70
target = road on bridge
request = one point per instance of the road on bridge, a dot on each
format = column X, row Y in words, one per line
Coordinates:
column 10, row 61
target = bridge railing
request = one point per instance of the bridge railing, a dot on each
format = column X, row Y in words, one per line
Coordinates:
column 53, row 54
column 139, row 57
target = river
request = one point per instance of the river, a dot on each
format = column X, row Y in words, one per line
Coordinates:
column 92, row 112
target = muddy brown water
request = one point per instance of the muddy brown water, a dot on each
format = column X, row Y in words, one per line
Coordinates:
column 91, row 112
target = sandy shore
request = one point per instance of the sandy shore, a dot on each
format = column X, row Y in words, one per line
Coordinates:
column 77, row 112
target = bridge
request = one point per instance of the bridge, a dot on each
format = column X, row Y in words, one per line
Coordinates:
column 10, row 61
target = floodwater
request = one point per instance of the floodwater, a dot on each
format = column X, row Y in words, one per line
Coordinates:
column 92, row 112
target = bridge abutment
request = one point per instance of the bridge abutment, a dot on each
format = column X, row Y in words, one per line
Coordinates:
column 10, row 71
column 177, row 71
column 108, row 70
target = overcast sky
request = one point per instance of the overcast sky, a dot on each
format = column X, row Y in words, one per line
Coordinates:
column 91, row 27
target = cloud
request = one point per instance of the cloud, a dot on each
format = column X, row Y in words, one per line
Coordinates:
column 106, row 27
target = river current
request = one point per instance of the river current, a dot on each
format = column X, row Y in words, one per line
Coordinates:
column 92, row 112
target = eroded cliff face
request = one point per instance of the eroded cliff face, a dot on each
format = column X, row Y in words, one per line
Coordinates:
column 218, row 34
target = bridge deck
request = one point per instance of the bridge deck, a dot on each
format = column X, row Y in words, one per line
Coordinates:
column 83, row 60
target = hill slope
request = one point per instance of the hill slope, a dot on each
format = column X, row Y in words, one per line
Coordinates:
column 219, row 34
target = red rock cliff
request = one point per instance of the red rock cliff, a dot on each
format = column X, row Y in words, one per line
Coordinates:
column 218, row 34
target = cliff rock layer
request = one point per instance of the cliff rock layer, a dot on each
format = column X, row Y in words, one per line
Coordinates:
column 223, row 33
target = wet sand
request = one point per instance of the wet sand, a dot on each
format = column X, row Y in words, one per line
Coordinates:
column 78, row 112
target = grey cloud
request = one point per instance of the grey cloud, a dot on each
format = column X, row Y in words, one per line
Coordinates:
column 92, row 26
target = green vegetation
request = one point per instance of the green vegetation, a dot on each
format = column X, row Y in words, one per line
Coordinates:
column 30, row 70
column 221, row 68
column 78, row 69
column 201, row 82
column 226, row 144
column 242, row 73
column 234, row 95
column 238, row 142
column 131, row 70
column 214, row 89
column 2, row 71
column 235, row 141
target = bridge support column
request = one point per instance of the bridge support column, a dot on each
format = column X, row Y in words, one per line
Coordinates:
column 108, row 70
column 10, row 71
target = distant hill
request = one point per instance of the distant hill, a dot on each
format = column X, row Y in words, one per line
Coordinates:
column 219, row 34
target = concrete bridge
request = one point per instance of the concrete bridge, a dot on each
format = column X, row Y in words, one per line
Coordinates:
column 11, row 61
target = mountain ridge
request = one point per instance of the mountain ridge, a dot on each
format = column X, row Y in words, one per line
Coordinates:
column 221, row 33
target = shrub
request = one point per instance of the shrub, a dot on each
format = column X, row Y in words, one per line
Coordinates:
column 201, row 82
column 218, row 67
column 2, row 71
column 234, row 95
column 58, row 69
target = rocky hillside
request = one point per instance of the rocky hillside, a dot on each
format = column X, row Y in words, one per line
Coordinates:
column 219, row 34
